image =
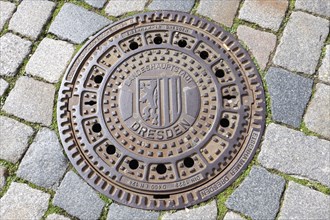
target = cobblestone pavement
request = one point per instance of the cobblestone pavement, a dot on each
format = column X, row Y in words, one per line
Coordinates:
column 289, row 177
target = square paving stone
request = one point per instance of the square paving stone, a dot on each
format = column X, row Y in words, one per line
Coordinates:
column 96, row 3
column 77, row 198
column 50, row 59
column 260, row 43
column 56, row 217
column 221, row 11
column 301, row 202
column 289, row 94
column 324, row 70
column 44, row 163
column 76, row 24
column 23, row 202
column 294, row 153
column 205, row 212
column 6, row 11
column 232, row 216
column 120, row 7
column 3, row 86
column 30, row 17
column 267, row 14
column 3, row 176
column 259, row 195
column 14, row 137
column 321, row 7
column 13, row 50
column 121, row 212
column 174, row 5
column 317, row 117
column 31, row 100
column 300, row 46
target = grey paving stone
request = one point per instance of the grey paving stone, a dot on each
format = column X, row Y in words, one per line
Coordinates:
column 3, row 176
column 321, row 7
column 14, row 137
column 232, row 216
column 121, row 212
column 259, row 195
column 76, row 24
column 301, row 43
column 56, row 217
column 294, row 153
column 76, row 197
column 96, row 3
column 301, row 202
column 175, row 5
column 206, row 212
column 289, row 95
column 23, row 202
column 31, row 100
column 44, row 163
column 267, row 14
column 50, row 59
column 324, row 70
column 30, row 17
column 120, row 7
column 260, row 43
column 6, row 11
column 3, row 86
column 317, row 117
column 221, row 11
column 13, row 50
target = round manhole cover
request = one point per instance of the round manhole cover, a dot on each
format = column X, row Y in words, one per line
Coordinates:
column 161, row 110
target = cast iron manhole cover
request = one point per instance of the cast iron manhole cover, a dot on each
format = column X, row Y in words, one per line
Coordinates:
column 161, row 110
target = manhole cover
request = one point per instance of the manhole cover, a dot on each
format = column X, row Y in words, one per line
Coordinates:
column 161, row 110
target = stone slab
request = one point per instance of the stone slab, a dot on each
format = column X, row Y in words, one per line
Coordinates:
column 124, row 212
column 317, row 117
column 56, row 217
column 259, row 195
column 174, row 5
column 13, row 50
column 300, row 46
column 301, row 202
column 289, row 95
column 30, row 17
column 260, row 43
column 324, row 70
column 23, row 202
column 76, row 24
column 6, row 11
column 294, row 153
column 267, row 14
column 232, row 216
column 3, row 176
column 76, row 197
column 3, row 86
column 50, row 59
column 221, row 11
column 120, row 7
column 14, row 137
column 320, row 7
column 31, row 100
column 96, row 3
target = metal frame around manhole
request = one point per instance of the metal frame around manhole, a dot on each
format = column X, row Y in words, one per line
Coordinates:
column 161, row 110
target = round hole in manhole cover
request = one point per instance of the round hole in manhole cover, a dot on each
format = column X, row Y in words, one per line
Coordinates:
column 161, row 110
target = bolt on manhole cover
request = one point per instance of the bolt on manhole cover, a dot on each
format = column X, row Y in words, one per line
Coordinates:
column 161, row 110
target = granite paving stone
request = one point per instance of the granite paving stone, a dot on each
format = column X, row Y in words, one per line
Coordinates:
column 13, row 50
column 30, row 17
column 76, row 197
column 121, row 212
column 294, row 153
column 96, row 3
column 232, row 216
column 50, row 59
column 3, row 176
column 120, row 7
column 221, row 11
column 3, row 86
column 44, row 163
column 289, row 94
column 175, row 5
column 259, row 195
column 31, row 100
column 14, row 137
column 301, row 202
column 206, row 212
column 56, row 217
column 300, row 46
column 324, row 70
column 6, row 11
column 317, row 117
column 320, row 7
column 267, row 14
column 23, row 202
column 260, row 43
column 76, row 24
